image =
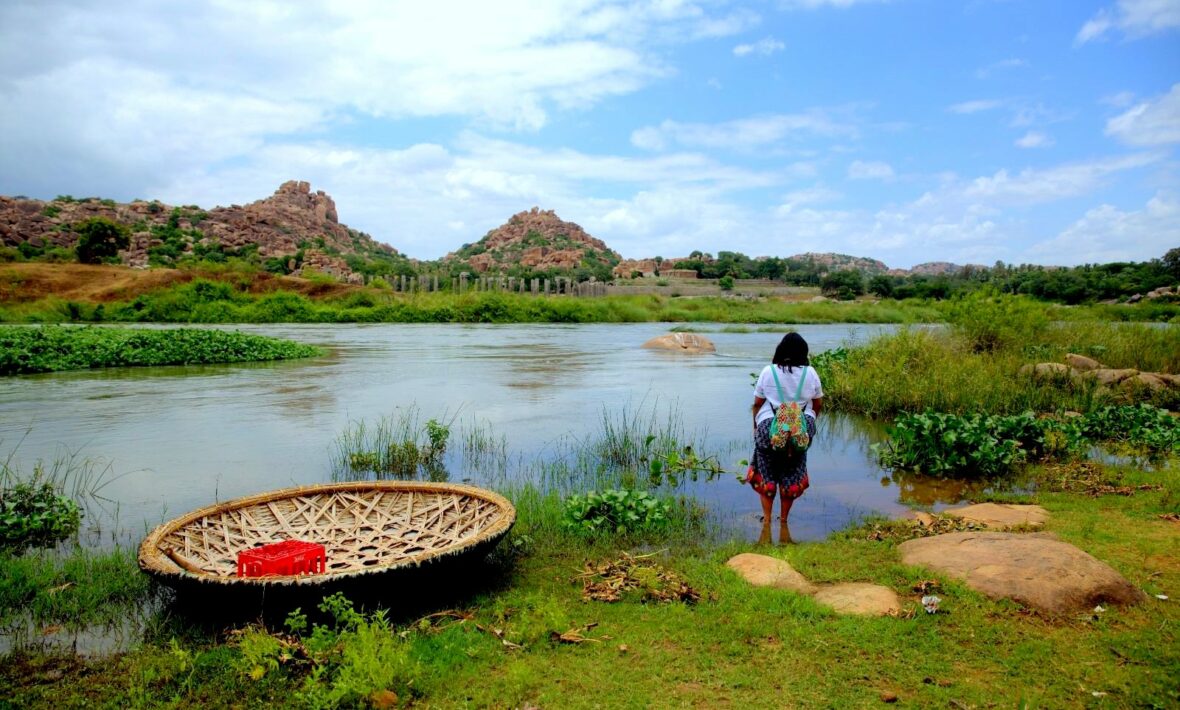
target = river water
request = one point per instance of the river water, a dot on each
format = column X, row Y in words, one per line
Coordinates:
column 172, row 439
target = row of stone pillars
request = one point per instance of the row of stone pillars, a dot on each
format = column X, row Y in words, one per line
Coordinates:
column 561, row 285
column 407, row 284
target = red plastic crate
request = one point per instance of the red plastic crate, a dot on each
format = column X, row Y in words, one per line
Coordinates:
column 282, row 558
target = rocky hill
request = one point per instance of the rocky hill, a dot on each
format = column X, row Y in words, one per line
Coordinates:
column 292, row 231
column 837, row 262
column 537, row 241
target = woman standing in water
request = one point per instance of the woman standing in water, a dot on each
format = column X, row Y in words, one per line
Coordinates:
column 783, row 470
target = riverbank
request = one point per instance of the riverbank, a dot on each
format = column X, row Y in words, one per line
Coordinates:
column 527, row 635
column 41, row 293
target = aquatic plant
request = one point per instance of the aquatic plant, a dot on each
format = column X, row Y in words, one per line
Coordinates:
column 35, row 514
column 615, row 511
column 53, row 348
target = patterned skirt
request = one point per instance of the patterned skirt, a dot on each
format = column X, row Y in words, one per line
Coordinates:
column 782, row 469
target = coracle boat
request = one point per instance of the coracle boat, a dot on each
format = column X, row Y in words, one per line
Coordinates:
column 368, row 529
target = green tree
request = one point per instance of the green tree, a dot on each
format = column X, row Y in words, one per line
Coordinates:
column 844, row 284
column 99, row 239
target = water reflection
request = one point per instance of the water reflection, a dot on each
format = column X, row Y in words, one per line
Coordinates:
column 196, row 435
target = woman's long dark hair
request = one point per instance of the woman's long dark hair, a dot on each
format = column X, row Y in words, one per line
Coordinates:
column 791, row 352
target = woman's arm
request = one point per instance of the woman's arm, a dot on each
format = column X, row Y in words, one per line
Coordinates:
column 817, row 405
column 758, row 401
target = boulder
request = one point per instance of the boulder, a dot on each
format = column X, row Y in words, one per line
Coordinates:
column 1109, row 377
column 1045, row 369
column 682, row 342
column 1148, row 380
column 1001, row 516
column 859, row 598
column 1034, row 569
column 1081, row 362
column 767, row 571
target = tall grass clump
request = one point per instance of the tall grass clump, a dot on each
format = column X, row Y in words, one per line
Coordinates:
column 975, row 364
column 397, row 446
column 25, row 350
column 76, row 589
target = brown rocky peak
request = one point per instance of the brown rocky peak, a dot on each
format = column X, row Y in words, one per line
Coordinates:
column 297, row 195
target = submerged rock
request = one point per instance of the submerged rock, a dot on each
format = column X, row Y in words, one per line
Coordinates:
column 682, row 342
column 1034, row 569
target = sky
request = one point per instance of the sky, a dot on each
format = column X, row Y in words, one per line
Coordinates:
column 970, row 131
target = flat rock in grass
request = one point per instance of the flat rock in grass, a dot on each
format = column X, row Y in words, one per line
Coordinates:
column 767, row 571
column 1034, row 569
column 690, row 343
column 1001, row 516
column 859, row 598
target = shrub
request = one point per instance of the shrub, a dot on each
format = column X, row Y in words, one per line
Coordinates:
column 726, row 283
column 33, row 514
column 616, row 511
column 100, row 239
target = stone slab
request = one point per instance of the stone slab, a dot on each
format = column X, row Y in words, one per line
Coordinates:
column 1034, row 569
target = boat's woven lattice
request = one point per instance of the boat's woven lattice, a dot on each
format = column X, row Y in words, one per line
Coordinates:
column 360, row 530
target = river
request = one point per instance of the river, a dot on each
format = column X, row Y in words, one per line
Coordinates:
column 170, row 439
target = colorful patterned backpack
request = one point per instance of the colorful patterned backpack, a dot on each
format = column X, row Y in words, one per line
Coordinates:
column 787, row 429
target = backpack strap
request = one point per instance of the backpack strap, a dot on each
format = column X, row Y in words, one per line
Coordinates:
column 777, row 386
column 802, row 379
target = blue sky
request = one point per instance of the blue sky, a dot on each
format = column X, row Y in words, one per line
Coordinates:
column 1034, row 131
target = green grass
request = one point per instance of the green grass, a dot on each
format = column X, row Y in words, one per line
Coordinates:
column 914, row 370
column 206, row 301
column 739, row 646
column 26, row 350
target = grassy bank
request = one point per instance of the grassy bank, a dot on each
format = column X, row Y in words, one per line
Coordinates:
column 49, row 349
column 206, row 301
column 528, row 636
column 976, row 366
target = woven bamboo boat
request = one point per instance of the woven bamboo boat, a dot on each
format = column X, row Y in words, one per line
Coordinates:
column 368, row 529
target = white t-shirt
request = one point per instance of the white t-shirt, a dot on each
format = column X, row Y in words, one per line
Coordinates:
column 789, row 381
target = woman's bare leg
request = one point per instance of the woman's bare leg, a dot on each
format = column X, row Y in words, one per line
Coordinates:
column 767, row 507
column 786, row 504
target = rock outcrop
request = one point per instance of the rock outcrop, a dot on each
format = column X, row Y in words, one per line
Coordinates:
column 292, row 219
column 1034, row 569
column 540, row 240
column 1082, row 368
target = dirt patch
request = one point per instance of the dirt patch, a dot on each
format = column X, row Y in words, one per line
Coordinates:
column 29, row 282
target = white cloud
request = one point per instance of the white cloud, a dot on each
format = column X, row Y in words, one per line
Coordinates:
column 1150, row 123
column 1136, row 18
column 745, row 133
column 809, row 196
column 968, row 107
column 1120, row 100
column 1034, row 139
column 1002, row 65
column 1069, row 180
column 511, row 62
column 869, row 170
column 1106, row 233
column 764, row 47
